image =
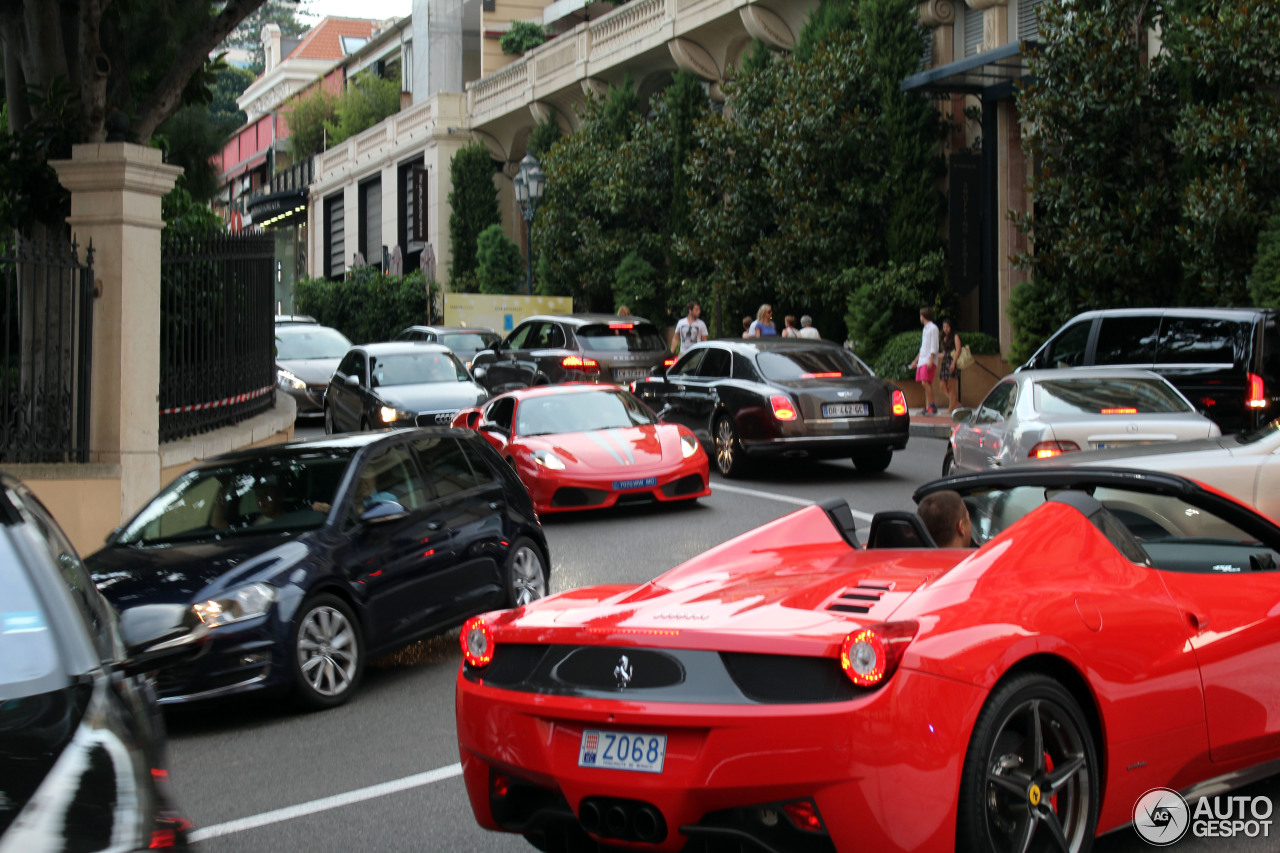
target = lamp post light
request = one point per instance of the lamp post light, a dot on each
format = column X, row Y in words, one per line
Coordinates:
column 529, row 182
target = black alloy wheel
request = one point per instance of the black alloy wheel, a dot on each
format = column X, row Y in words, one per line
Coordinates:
column 730, row 460
column 525, row 573
column 1030, row 777
column 873, row 461
column 948, row 463
column 329, row 428
column 328, row 652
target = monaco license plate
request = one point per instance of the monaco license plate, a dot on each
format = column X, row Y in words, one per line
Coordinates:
column 642, row 483
column 624, row 374
column 622, row 750
column 846, row 410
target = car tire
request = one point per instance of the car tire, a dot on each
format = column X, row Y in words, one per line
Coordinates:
column 948, row 463
column 1031, row 771
column 327, row 652
column 730, row 459
column 525, row 573
column 329, row 427
column 873, row 461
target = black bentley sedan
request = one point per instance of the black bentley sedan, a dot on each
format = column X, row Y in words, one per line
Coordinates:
column 82, row 752
column 398, row 384
column 763, row 397
column 308, row 558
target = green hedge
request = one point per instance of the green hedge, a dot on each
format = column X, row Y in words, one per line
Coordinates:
column 892, row 360
column 367, row 306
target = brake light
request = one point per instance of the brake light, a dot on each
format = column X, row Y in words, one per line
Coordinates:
column 1118, row 412
column 668, row 362
column 834, row 374
column 577, row 362
column 168, row 831
column 500, row 785
column 804, row 814
column 1050, row 449
column 622, row 325
column 477, row 642
column 870, row 655
column 1257, row 392
column 783, row 409
column 899, row 403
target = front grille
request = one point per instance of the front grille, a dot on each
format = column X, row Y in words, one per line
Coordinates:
column 435, row 418
column 788, row 678
column 860, row 598
column 688, row 485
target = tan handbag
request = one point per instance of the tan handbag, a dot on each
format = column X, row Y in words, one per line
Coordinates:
column 965, row 359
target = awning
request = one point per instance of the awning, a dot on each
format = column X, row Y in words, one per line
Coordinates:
column 276, row 208
column 991, row 74
column 248, row 165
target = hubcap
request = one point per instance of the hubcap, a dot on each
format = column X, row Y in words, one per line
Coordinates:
column 724, row 446
column 327, row 651
column 1038, row 781
column 528, row 580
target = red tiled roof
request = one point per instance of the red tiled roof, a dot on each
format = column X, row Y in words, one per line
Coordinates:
column 323, row 41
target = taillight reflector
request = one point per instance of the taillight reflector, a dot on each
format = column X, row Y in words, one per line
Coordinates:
column 477, row 642
column 1257, row 392
column 870, row 655
column 804, row 814
column 575, row 362
column 1050, row 449
column 899, row 403
column 783, row 408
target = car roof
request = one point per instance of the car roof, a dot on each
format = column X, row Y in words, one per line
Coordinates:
column 755, row 345
column 1218, row 313
column 291, row 319
column 562, row 388
column 586, row 319
column 1088, row 373
column 478, row 330
column 302, row 329
column 344, row 441
column 396, row 347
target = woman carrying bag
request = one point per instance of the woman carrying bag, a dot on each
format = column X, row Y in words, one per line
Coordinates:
column 952, row 350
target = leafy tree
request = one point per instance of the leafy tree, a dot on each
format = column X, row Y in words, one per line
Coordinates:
column 499, row 264
column 831, row 18
column 309, row 116
column 544, row 135
column 193, row 135
column 474, row 204
column 229, row 83
column 367, row 306
column 29, row 188
column 636, row 286
column 523, row 35
column 366, row 100
column 283, row 13
column 1264, row 283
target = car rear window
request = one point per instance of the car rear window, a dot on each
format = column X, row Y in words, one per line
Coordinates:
column 621, row 337
column 1098, row 396
column 300, row 342
column 1203, row 340
column 28, row 656
column 468, row 341
column 817, row 363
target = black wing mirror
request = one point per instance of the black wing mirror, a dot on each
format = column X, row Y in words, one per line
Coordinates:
column 159, row 635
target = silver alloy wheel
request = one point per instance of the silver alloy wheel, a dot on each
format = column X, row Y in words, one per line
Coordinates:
column 328, row 651
column 725, row 446
column 528, row 579
column 328, row 421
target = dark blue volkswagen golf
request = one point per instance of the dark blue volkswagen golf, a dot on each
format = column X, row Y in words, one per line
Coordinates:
column 306, row 559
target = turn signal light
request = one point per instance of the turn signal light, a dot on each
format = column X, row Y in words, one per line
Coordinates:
column 1257, row 392
column 899, row 403
column 870, row 655
column 576, row 362
column 1050, row 449
column 783, row 408
column 477, row 642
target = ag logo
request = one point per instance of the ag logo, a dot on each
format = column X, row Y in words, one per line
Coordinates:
column 1161, row 816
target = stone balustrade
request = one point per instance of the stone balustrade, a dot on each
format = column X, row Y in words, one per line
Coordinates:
column 396, row 130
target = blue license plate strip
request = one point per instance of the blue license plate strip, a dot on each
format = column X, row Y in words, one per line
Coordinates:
column 642, row 483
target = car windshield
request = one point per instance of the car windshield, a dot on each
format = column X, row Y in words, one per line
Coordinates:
column 415, row 368
column 28, row 654
column 561, row 413
column 816, row 363
column 285, row 492
column 621, row 337
column 1129, row 395
column 296, row 343
column 468, row 341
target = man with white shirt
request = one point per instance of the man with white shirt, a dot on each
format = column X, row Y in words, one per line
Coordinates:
column 690, row 330
column 924, row 361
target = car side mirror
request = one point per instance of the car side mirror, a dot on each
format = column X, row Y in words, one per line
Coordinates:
column 478, row 371
column 159, row 635
column 492, row 428
column 383, row 511
column 962, row 415
column 352, row 380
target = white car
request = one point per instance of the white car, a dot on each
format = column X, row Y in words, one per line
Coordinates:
column 1245, row 465
column 1043, row 414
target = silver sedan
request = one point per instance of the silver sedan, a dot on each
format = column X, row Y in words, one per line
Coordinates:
column 1041, row 414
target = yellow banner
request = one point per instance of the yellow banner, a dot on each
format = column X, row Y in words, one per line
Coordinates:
column 500, row 312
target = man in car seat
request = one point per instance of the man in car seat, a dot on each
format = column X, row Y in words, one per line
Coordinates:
column 946, row 518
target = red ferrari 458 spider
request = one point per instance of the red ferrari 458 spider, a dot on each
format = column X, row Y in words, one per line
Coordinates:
column 587, row 446
column 1113, row 632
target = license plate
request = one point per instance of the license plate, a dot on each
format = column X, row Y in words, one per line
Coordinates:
column 622, row 751
column 645, row 483
column 846, row 410
column 625, row 373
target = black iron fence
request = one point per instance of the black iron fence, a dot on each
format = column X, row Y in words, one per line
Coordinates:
column 217, row 335
column 46, row 331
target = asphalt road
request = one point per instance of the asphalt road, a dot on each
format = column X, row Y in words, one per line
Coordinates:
column 381, row 773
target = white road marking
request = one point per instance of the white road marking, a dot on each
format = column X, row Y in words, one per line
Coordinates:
column 326, row 803
column 774, row 496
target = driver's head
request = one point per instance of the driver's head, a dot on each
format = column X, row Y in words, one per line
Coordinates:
column 946, row 518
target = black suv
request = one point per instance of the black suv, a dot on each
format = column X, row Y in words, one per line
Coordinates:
column 545, row 350
column 1225, row 360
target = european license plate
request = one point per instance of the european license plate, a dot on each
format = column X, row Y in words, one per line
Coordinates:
column 627, row 373
column 846, row 410
column 622, row 751
column 643, row 483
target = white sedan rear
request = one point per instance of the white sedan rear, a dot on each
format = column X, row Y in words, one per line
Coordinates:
column 1043, row 414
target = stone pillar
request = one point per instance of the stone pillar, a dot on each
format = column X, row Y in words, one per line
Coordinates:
column 116, row 189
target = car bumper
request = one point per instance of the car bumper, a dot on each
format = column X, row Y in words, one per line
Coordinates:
column 883, row 769
column 566, row 492
column 238, row 658
column 829, row 441
column 310, row 401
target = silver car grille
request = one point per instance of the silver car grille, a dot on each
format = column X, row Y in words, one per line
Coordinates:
column 435, row 418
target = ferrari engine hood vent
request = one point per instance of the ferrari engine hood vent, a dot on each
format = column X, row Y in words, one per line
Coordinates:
column 860, row 598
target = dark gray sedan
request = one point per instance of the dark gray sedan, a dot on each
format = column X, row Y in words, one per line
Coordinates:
column 306, row 356
column 398, row 385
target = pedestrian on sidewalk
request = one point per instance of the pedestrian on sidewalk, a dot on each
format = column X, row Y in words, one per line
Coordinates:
column 949, row 375
column 690, row 329
column 763, row 325
column 926, row 359
column 789, row 329
column 807, row 330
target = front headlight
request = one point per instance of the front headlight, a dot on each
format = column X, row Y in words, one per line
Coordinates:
column 288, row 380
column 238, row 605
column 688, row 445
column 547, row 459
column 390, row 415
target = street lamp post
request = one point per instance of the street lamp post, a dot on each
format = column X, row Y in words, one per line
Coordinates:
column 529, row 183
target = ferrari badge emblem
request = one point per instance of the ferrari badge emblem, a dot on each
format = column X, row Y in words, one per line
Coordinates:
column 622, row 672
column 1034, row 795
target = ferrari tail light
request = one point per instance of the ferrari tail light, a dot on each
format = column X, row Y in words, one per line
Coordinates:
column 1257, row 392
column 477, row 642
column 577, row 362
column 804, row 814
column 899, row 403
column 783, row 408
column 1050, row 449
column 870, row 655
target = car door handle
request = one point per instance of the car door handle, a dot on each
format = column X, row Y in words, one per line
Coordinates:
column 1199, row 621
column 434, row 525
column 495, row 504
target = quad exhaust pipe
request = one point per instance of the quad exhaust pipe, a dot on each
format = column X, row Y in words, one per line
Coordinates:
column 627, row 820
